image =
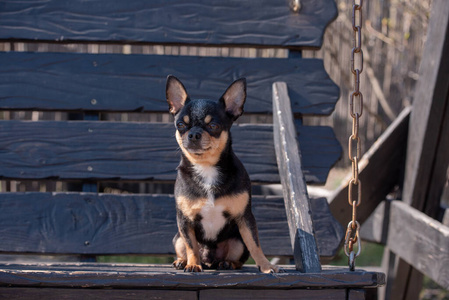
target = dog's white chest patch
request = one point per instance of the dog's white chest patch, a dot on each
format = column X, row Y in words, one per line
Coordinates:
column 209, row 174
column 212, row 221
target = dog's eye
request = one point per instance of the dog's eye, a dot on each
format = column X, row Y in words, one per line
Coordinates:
column 213, row 126
column 181, row 125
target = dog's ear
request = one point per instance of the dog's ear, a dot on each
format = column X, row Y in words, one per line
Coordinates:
column 234, row 98
column 176, row 94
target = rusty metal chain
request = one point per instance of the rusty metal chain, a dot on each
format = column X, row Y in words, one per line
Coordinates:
column 356, row 111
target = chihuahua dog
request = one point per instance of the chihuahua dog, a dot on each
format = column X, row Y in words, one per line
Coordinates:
column 216, row 228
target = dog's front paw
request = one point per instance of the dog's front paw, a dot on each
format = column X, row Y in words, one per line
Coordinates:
column 270, row 268
column 179, row 264
column 193, row 268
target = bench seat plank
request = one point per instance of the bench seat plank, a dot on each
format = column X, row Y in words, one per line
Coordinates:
column 67, row 81
column 25, row 293
column 90, row 223
column 152, row 294
column 83, row 275
column 139, row 151
column 212, row 22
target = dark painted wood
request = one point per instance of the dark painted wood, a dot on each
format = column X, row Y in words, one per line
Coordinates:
column 417, row 238
column 328, row 231
column 224, row 294
column 319, row 156
column 440, row 176
column 294, row 188
column 379, row 171
column 212, row 22
column 137, row 151
column 356, row 294
column 445, row 218
column 164, row 276
column 98, row 294
column 89, row 223
column 115, row 82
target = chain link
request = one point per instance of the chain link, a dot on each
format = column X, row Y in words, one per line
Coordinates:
column 354, row 143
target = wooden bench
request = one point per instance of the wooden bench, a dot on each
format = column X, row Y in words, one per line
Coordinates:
column 84, row 158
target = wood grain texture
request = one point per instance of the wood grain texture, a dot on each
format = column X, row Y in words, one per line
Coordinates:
column 445, row 218
column 213, row 22
column 379, row 171
column 328, row 232
column 163, row 276
column 429, row 111
column 413, row 236
column 427, row 160
column 89, row 223
column 68, row 81
column 136, row 151
column 98, row 294
column 244, row 294
column 356, row 295
column 319, row 156
column 297, row 203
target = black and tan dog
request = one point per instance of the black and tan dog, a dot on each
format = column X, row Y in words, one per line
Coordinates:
column 216, row 228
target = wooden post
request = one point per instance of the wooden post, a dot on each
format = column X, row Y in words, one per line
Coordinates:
column 429, row 110
column 427, row 145
column 297, row 203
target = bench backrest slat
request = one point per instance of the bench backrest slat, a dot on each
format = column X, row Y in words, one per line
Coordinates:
column 114, row 82
column 138, row 151
column 211, row 22
column 88, row 223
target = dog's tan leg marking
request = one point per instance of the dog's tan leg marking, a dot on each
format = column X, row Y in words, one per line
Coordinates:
column 235, row 252
column 235, row 205
column 181, row 255
column 255, row 250
column 193, row 252
column 190, row 208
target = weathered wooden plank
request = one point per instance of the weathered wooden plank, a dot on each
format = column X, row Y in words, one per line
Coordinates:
column 157, row 276
column 429, row 111
column 440, row 175
column 88, row 223
column 379, row 171
column 266, row 22
column 328, row 231
column 137, row 151
column 100, row 294
column 356, row 294
column 244, row 294
column 114, row 82
column 445, row 218
column 105, row 224
column 415, row 237
column 320, row 155
column 424, row 177
column 294, row 188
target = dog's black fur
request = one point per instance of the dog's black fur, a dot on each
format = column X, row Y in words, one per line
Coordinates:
column 216, row 228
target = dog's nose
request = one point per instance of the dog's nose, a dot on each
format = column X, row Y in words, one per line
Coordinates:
column 195, row 135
